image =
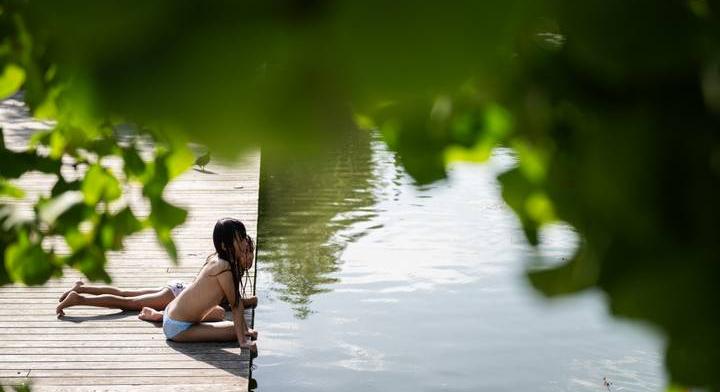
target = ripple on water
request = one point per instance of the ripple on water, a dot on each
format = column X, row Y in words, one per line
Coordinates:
column 378, row 284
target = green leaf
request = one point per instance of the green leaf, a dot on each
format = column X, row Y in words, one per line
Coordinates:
column 40, row 138
column 516, row 190
column 4, row 276
column 63, row 186
column 102, row 146
column 178, row 160
column 11, row 80
column 156, row 177
column 164, row 217
column 76, row 239
column 27, row 262
column 9, row 189
column 532, row 160
column 58, row 142
column 49, row 210
column 165, row 238
column 99, row 184
column 579, row 273
column 23, row 387
column 90, row 260
column 134, row 166
column 114, row 228
column 15, row 164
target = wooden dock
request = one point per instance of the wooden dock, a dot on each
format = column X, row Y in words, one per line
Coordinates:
column 96, row 349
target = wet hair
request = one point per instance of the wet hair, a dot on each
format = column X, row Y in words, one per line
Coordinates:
column 226, row 232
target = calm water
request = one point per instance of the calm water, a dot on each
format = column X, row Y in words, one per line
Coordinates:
column 368, row 282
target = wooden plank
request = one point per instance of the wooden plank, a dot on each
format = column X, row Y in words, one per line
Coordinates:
column 125, row 323
column 108, row 344
column 111, row 350
column 40, row 387
column 194, row 364
column 28, row 352
column 101, row 373
column 5, row 373
column 133, row 357
column 150, row 383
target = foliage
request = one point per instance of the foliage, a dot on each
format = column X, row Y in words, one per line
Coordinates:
column 18, row 388
column 612, row 107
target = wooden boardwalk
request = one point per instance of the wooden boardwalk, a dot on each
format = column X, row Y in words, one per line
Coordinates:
column 96, row 349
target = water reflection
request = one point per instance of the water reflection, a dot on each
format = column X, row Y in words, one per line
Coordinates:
column 421, row 288
column 307, row 201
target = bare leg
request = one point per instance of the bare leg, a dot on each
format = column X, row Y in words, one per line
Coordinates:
column 156, row 300
column 100, row 290
column 223, row 331
column 81, row 288
column 149, row 314
column 215, row 314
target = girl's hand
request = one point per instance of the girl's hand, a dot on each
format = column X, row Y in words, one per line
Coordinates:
column 251, row 333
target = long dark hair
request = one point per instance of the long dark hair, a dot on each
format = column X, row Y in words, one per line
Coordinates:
column 226, row 232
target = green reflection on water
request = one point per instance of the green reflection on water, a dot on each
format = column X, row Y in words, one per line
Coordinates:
column 307, row 200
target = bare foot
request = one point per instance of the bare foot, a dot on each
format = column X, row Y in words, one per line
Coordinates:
column 150, row 314
column 252, row 334
column 75, row 289
column 71, row 299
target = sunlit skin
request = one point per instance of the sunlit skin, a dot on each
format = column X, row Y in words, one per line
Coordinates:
column 199, row 299
column 150, row 302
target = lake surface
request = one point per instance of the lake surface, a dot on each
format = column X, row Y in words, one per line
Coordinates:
column 368, row 282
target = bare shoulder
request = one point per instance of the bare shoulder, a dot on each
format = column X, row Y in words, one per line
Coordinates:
column 217, row 266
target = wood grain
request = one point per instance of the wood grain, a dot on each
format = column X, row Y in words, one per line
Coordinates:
column 97, row 349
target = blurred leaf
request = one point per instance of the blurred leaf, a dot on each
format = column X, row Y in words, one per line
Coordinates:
column 57, row 144
column 40, row 137
column 533, row 161
column 178, row 160
column 156, row 177
column 99, row 184
column 27, row 262
column 75, row 239
column 103, row 146
column 134, row 166
column 8, row 189
column 516, row 190
column 22, row 388
column 62, row 186
column 4, row 276
column 90, row 260
column 19, row 163
column 487, row 134
column 49, row 210
column 11, row 80
column 114, row 228
column 164, row 217
column 579, row 273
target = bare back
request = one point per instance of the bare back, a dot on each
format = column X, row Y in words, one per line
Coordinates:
column 204, row 293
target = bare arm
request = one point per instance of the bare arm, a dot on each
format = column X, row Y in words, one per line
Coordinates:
column 241, row 330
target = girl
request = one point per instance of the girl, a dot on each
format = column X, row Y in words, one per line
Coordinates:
column 184, row 317
column 149, row 301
